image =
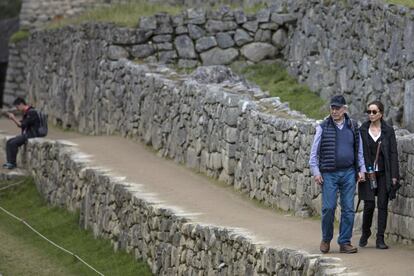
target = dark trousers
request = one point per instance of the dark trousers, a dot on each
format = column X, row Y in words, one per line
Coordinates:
column 12, row 146
column 382, row 204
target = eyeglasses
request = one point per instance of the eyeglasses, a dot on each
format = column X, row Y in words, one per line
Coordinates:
column 374, row 112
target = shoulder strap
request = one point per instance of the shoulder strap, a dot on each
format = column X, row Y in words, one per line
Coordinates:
column 377, row 154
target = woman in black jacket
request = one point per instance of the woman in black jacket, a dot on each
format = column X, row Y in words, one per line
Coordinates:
column 377, row 135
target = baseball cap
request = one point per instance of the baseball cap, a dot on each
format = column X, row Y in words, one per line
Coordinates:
column 338, row 100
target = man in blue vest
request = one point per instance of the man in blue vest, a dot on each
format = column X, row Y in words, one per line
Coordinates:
column 337, row 163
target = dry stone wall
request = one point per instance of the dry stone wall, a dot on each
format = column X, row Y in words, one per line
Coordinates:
column 209, row 38
column 7, row 28
column 16, row 81
column 212, row 121
column 35, row 13
column 168, row 241
column 360, row 48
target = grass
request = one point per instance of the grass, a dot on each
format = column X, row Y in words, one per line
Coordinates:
column 24, row 253
column 275, row 79
column 407, row 3
column 19, row 36
column 126, row 15
column 250, row 9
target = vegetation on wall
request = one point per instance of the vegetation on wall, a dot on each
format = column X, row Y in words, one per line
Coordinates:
column 407, row 3
column 19, row 36
column 9, row 8
column 275, row 79
column 121, row 14
column 128, row 15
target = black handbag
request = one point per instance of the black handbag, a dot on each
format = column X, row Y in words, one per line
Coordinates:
column 393, row 192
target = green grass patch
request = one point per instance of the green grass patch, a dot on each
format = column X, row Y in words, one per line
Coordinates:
column 407, row 3
column 252, row 9
column 126, row 15
column 24, row 253
column 19, row 36
column 275, row 79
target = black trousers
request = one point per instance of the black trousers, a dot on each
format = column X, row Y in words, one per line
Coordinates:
column 12, row 147
column 382, row 204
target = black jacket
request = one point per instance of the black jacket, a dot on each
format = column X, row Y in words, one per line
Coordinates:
column 390, row 158
column 30, row 123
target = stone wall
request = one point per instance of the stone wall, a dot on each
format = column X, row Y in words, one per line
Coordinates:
column 35, row 13
column 7, row 28
column 16, row 76
column 361, row 49
column 212, row 121
column 168, row 241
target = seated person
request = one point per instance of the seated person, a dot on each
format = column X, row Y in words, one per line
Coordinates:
column 29, row 126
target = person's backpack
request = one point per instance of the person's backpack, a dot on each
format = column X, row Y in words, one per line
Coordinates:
column 42, row 130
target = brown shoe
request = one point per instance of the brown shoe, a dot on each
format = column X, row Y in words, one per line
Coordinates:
column 347, row 248
column 325, row 246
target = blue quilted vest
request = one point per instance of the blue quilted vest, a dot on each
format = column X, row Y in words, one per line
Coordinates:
column 327, row 146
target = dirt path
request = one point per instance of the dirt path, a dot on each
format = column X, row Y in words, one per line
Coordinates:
column 213, row 203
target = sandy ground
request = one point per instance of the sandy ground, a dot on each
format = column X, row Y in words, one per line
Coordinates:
column 212, row 203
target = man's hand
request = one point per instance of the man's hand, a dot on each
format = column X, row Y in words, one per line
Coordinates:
column 318, row 179
column 361, row 177
column 394, row 181
column 11, row 116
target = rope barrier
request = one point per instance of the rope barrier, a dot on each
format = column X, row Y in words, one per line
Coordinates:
column 42, row 236
column 11, row 185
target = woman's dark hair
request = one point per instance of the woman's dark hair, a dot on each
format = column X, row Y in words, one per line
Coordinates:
column 379, row 105
column 18, row 101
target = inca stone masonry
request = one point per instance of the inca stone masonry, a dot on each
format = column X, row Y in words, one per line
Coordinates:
column 361, row 48
column 212, row 121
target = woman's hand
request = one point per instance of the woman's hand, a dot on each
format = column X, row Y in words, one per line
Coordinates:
column 361, row 177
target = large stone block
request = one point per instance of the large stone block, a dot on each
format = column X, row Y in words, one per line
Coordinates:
column 408, row 105
column 217, row 56
column 185, row 47
column 205, row 43
column 258, row 51
column 216, row 26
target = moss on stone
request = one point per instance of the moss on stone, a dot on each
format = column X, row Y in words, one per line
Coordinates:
column 19, row 36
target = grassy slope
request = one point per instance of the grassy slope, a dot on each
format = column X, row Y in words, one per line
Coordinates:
column 26, row 252
column 276, row 80
column 121, row 14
